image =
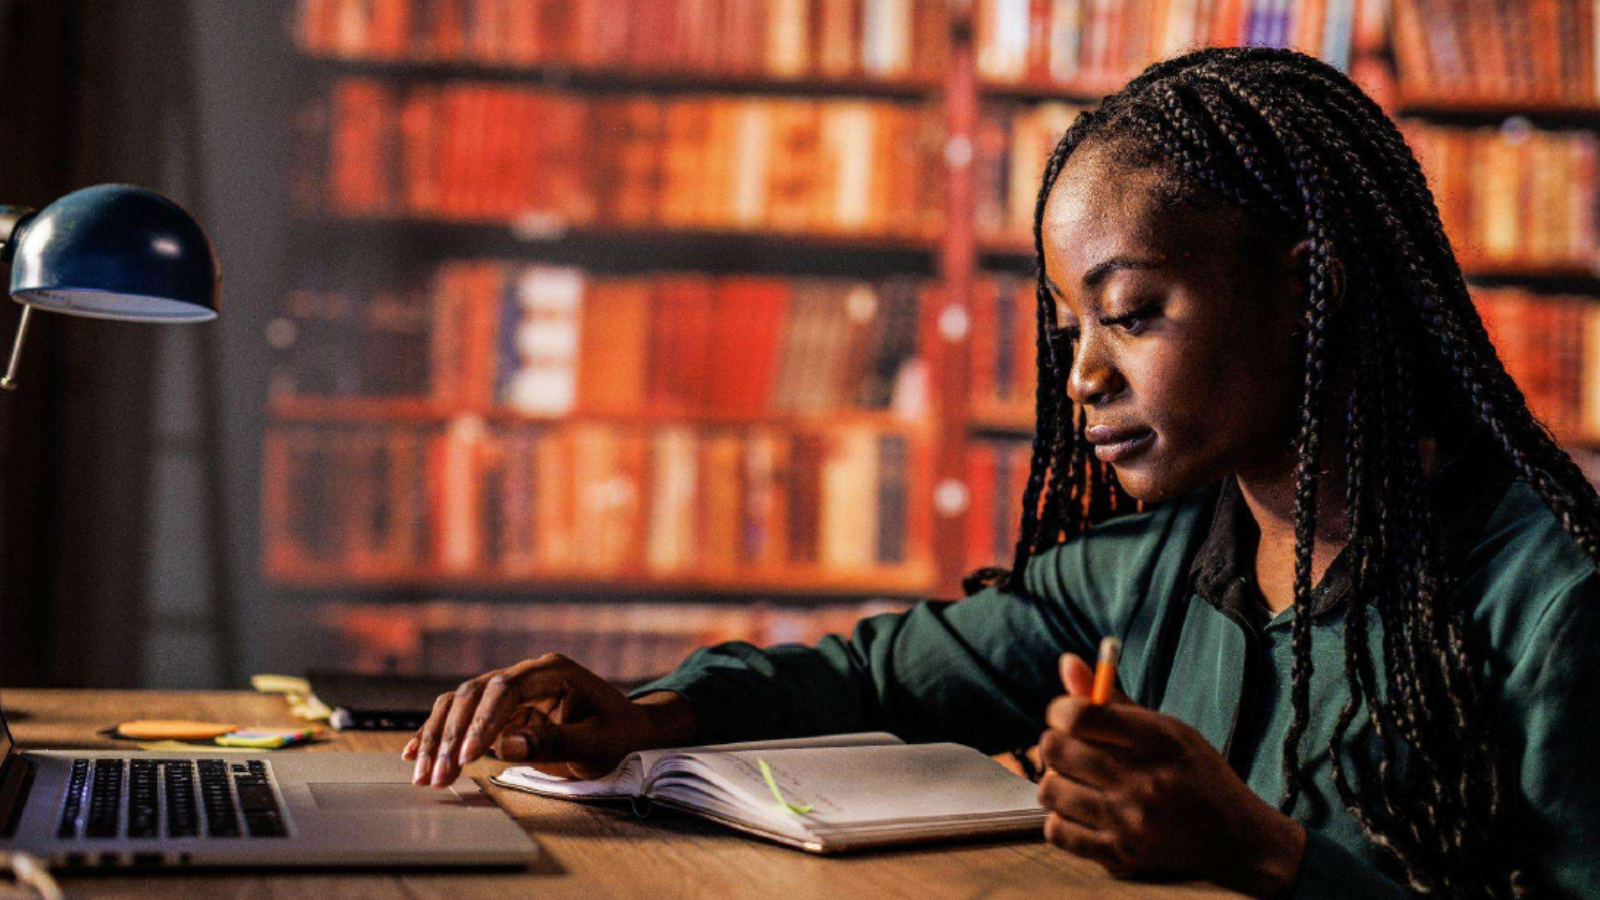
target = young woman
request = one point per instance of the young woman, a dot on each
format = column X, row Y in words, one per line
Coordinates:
column 1277, row 456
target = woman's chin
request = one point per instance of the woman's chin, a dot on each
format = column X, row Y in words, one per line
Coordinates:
column 1146, row 483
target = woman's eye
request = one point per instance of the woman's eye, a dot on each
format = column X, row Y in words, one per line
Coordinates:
column 1135, row 321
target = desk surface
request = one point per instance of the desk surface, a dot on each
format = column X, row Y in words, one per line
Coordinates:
column 589, row 851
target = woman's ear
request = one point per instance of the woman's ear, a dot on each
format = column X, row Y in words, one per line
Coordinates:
column 1300, row 269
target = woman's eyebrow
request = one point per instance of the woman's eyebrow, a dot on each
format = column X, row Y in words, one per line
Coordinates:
column 1100, row 270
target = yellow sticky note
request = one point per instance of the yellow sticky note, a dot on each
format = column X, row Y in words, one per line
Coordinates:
column 173, row 730
column 190, row 749
column 267, row 683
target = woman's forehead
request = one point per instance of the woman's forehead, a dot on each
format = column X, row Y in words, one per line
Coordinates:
column 1100, row 208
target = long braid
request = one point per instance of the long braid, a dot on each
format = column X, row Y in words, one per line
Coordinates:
column 1298, row 147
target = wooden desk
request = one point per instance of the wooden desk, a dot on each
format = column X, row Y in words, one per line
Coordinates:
column 589, row 852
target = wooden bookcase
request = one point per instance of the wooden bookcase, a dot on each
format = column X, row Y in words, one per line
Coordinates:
column 370, row 604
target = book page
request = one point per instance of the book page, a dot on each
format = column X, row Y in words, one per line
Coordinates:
column 872, row 787
column 638, row 768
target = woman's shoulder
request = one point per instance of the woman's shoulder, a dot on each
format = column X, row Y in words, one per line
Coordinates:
column 1133, row 550
column 1522, row 569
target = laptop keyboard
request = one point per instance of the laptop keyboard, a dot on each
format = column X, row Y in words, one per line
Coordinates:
column 236, row 799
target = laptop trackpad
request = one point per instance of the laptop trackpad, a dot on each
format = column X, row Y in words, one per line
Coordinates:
column 354, row 795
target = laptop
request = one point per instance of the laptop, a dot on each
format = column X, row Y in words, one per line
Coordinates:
column 116, row 810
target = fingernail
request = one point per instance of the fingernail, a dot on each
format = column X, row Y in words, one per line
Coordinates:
column 419, row 774
column 516, row 747
column 441, row 772
column 469, row 750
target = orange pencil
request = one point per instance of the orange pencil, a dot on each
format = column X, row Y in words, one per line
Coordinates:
column 1105, row 670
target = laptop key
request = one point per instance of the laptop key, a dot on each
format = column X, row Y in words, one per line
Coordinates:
column 105, row 799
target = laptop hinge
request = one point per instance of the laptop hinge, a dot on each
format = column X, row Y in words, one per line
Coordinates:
column 15, row 779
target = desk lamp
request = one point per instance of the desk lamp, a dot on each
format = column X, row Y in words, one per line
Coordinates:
column 113, row 251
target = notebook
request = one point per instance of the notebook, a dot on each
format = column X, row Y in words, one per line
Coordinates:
column 839, row 792
column 363, row 702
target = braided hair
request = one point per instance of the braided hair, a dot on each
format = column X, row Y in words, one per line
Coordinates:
column 1297, row 147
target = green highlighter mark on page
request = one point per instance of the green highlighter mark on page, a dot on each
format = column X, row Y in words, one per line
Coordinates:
column 766, row 773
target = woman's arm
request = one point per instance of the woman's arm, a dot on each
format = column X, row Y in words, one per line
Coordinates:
column 978, row 671
column 1551, row 700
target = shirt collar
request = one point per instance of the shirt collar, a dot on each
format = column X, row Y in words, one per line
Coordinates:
column 1463, row 490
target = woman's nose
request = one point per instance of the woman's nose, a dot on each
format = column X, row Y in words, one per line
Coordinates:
column 1094, row 378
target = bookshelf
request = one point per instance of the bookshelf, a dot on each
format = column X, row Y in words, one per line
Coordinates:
column 570, row 269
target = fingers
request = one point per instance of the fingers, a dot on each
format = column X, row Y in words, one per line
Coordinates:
column 1075, row 837
column 580, row 746
column 1076, row 676
column 428, row 739
column 496, row 707
column 441, row 746
column 1119, row 724
column 1081, row 803
column 1093, row 765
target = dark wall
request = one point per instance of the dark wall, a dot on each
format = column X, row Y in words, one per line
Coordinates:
column 91, row 95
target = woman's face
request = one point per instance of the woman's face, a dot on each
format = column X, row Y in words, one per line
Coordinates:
column 1186, row 363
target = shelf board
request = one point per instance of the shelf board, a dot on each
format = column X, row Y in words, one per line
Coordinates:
column 1495, row 110
column 620, row 80
column 616, row 248
column 914, row 581
column 1569, row 276
column 345, row 410
column 1003, row 426
column 1080, row 93
column 1564, row 277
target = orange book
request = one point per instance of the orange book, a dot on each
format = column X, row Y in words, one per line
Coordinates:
column 980, row 515
column 720, row 518
column 553, row 495
column 838, row 37
column 614, row 356
column 683, row 344
column 984, row 340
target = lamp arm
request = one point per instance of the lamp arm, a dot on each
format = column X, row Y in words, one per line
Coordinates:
column 12, row 219
column 9, row 382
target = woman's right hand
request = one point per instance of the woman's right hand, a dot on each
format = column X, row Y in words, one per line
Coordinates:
column 548, row 711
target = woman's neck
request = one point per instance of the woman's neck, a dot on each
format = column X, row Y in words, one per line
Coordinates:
column 1268, row 492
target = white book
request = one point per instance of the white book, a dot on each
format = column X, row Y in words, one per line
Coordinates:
column 840, row 792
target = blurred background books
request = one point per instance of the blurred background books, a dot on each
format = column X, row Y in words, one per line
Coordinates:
column 620, row 327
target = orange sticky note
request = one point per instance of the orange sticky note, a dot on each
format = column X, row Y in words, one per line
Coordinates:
column 173, row 730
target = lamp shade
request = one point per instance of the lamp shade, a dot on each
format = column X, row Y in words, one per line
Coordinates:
column 115, row 251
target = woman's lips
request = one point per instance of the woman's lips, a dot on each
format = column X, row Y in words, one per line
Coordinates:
column 1116, row 445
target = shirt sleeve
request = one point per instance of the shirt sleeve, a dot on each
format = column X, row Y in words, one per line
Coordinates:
column 1553, row 692
column 1548, row 700
column 1330, row 871
column 977, row 671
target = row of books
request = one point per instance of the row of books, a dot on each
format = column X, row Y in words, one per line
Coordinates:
column 1530, row 51
column 547, row 160
column 547, row 341
column 497, row 504
column 1095, row 45
column 838, row 39
column 1518, row 196
column 1550, row 345
column 997, row 472
column 1003, row 362
column 626, row 642
column 1011, row 144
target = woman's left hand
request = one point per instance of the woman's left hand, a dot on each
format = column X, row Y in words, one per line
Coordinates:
column 1146, row 795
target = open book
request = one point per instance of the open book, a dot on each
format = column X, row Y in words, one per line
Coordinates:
column 839, row 792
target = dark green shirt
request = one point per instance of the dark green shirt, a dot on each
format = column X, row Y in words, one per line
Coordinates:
column 1175, row 584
